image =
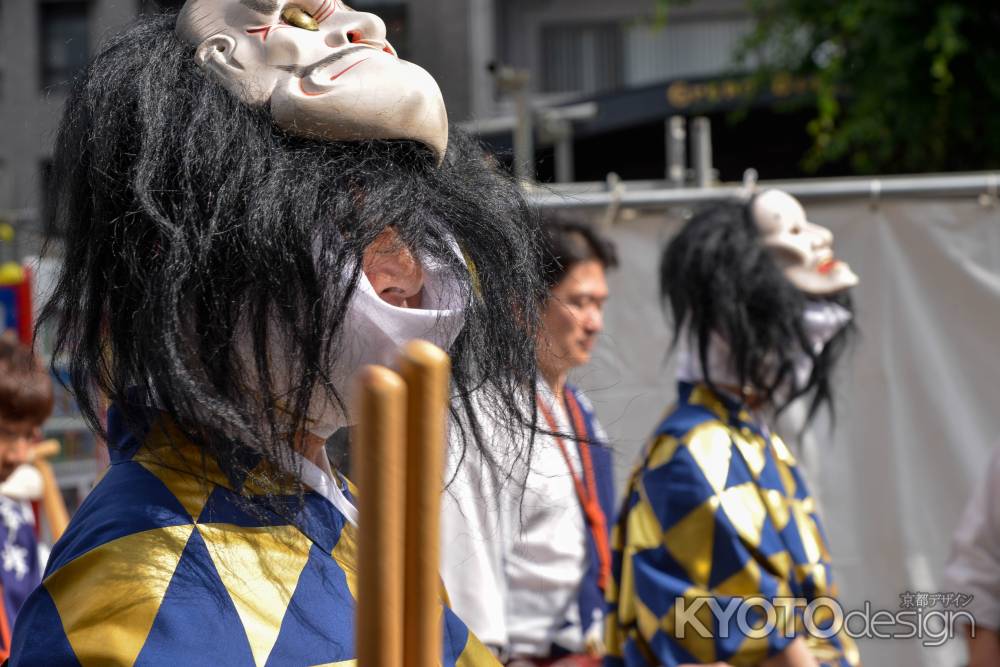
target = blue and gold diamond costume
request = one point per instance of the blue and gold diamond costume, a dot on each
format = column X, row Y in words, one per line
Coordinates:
column 717, row 510
column 164, row 564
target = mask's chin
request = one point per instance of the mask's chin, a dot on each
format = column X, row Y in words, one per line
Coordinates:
column 382, row 98
column 838, row 277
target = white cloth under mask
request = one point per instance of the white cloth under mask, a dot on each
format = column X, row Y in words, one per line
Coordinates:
column 821, row 321
column 373, row 332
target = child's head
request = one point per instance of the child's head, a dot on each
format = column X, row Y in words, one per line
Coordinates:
column 25, row 402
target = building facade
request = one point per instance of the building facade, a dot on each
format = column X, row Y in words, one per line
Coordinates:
column 577, row 47
column 42, row 45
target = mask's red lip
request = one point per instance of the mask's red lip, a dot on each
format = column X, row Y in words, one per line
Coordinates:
column 332, row 78
column 347, row 69
column 827, row 265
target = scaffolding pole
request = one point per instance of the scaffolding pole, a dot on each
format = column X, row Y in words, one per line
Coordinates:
column 984, row 184
column 676, row 151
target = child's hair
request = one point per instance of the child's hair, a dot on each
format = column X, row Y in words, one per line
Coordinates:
column 25, row 385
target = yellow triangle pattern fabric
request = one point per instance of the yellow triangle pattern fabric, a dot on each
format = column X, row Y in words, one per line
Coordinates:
column 108, row 598
column 260, row 568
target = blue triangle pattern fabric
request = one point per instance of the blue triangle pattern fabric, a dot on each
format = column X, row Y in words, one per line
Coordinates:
column 676, row 489
column 144, row 503
column 769, row 477
column 739, row 472
column 39, row 649
column 770, row 541
column 225, row 506
column 196, row 617
column 729, row 555
column 318, row 623
column 656, row 571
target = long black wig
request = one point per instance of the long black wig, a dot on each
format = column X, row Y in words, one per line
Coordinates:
column 719, row 279
column 186, row 212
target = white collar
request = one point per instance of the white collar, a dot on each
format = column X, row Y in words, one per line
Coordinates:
column 326, row 483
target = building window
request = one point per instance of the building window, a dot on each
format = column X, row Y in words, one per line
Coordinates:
column 65, row 41
column 581, row 58
column 697, row 48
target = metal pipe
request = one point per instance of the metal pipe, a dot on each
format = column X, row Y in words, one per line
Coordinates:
column 559, row 132
column 524, row 136
column 482, row 51
column 676, row 151
column 701, row 151
column 564, row 159
column 937, row 185
column 582, row 111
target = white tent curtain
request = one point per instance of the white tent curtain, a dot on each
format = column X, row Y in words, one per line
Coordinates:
column 919, row 399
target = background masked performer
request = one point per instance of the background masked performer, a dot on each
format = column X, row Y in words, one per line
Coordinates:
column 528, row 572
column 258, row 199
column 718, row 508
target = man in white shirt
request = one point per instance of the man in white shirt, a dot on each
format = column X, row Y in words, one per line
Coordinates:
column 525, row 556
column 974, row 567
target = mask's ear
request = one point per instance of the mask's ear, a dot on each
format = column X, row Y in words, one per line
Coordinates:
column 216, row 54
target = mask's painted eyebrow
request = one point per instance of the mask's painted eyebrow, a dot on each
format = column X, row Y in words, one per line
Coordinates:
column 262, row 6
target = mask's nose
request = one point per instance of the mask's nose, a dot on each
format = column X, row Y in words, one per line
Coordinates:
column 821, row 236
column 350, row 27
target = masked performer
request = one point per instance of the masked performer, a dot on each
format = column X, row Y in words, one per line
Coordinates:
column 258, row 198
column 527, row 572
column 717, row 510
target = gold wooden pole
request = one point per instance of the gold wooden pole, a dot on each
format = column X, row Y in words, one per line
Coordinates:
column 427, row 371
column 379, row 453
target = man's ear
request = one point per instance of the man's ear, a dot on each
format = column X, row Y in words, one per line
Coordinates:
column 217, row 53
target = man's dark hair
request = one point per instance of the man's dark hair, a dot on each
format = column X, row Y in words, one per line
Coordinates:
column 566, row 242
column 718, row 278
column 25, row 385
column 196, row 232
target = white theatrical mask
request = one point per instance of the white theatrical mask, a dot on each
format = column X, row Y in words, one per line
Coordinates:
column 803, row 250
column 324, row 69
